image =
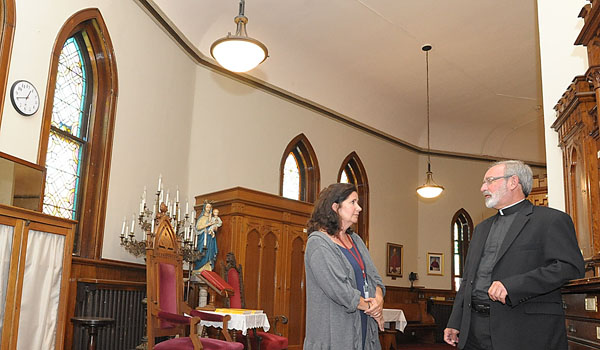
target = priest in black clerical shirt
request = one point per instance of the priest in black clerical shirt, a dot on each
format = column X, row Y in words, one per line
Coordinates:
column 509, row 297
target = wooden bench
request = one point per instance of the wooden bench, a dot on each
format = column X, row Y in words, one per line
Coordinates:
column 420, row 327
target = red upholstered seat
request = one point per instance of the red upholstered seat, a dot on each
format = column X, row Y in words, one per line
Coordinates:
column 233, row 274
column 207, row 343
column 167, row 311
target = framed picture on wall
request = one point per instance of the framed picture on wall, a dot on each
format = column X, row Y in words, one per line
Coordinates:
column 435, row 264
column 394, row 260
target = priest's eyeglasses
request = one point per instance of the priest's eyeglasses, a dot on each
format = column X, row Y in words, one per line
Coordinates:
column 488, row 180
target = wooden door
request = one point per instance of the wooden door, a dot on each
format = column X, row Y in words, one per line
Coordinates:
column 294, row 296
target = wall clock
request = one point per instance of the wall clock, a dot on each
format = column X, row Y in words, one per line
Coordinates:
column 24, row 97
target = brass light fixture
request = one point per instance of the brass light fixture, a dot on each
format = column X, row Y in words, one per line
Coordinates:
column 239, row 53
column 430, row 189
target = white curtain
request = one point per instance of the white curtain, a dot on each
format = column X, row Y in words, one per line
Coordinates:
column 41, row 291
column 6, row 238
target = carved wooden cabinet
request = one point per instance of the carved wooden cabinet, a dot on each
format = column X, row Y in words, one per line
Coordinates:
column 580, row 301
column 35, row 262
column 267, row 235
column 577, row 129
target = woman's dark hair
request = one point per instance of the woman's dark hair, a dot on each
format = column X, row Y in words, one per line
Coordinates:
column 323, row 217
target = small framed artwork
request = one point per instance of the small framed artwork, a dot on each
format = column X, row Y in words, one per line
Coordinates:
column 394, row 260
column 435, row 263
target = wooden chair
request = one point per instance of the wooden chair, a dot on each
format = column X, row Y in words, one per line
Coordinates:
column 263, row 340
column 167, row 312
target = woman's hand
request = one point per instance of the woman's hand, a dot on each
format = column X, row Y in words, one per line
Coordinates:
column 375, row 309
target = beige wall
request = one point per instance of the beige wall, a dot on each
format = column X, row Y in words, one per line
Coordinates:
column 205, row 132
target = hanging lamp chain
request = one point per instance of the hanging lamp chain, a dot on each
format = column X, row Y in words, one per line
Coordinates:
column 428, row 145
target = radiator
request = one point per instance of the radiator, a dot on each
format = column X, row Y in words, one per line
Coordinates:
column 121, row 302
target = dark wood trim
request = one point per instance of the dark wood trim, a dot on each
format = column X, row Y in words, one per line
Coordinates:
column 101, row 128
column 311, row 168
column 200, row 59
column 8, row 18
column 362, row 186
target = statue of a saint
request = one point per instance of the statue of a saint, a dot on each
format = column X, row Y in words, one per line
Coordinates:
column 206, row 227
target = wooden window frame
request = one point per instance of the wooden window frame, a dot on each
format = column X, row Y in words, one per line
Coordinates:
column 358, row 177
column 95, row 175
column 8, row 19
column 464, row 247
column 309, row 168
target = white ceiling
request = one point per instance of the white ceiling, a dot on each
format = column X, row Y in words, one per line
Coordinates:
column 363, row 60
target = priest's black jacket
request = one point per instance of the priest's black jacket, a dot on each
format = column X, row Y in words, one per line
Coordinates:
column 538, row 255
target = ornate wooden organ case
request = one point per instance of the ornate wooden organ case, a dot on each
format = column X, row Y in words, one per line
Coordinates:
column 577, row 127
column 267, row 235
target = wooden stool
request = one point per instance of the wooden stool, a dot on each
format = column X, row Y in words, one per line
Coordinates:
column 92, row 324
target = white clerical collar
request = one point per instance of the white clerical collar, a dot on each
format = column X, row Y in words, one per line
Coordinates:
column 512, row 205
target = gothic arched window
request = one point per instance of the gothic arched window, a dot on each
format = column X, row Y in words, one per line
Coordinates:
column 352, row 171
column 461, row 232
column 78, row 127
column 299, row 171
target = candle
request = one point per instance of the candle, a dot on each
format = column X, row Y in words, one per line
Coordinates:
column 142, row 207
column 205, row 234
column 161, row 196
column 152, row 228
column 177, row 199
column 185, row 233
column 178, row 212
column 123, row 228
column 132, row 222
column 159, row 182
column 167, row 200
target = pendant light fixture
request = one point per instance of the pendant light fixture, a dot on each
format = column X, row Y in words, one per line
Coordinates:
column 430, row 189
column 239, row 53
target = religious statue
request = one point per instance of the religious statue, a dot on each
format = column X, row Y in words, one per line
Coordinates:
column 206, row 228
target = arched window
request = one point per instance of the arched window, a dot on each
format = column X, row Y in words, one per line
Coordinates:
column 78, row 127
column 461, row 232
column 352, row 171
column 299, row 171
column 7, row 16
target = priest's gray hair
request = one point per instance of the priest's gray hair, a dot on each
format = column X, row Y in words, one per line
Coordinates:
column 521, row 170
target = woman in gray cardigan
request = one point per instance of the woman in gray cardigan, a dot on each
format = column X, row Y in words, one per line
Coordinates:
column 344, row 292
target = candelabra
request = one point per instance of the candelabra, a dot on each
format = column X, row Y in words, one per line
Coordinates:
column 147, row 219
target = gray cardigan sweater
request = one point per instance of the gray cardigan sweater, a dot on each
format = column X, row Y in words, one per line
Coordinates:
column 332, row 317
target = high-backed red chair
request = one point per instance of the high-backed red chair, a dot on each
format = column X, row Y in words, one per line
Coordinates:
column 166, row 309
column 266, row 341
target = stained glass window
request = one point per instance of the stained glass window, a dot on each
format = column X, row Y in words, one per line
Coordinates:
column 291, row 177
column 68, row 132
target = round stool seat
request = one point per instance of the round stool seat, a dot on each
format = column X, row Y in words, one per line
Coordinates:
column 92, row 324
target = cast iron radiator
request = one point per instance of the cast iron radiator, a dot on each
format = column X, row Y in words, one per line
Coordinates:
column 119, row 301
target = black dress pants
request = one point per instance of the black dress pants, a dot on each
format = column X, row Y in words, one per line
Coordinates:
column 479, row 334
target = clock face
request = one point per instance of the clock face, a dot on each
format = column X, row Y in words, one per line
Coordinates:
column 24, row 97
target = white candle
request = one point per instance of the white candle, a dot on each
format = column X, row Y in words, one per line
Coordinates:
column 123, row 228
column 185, row 234
column 187, row 206
column 144, row 196
column 132, row 222
column 161, row 197
column 142, row 207
column 205, row 234
column 152, row 228
column 178, row 212
column 167, row 199
column 177, row 199
column 159, row 182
